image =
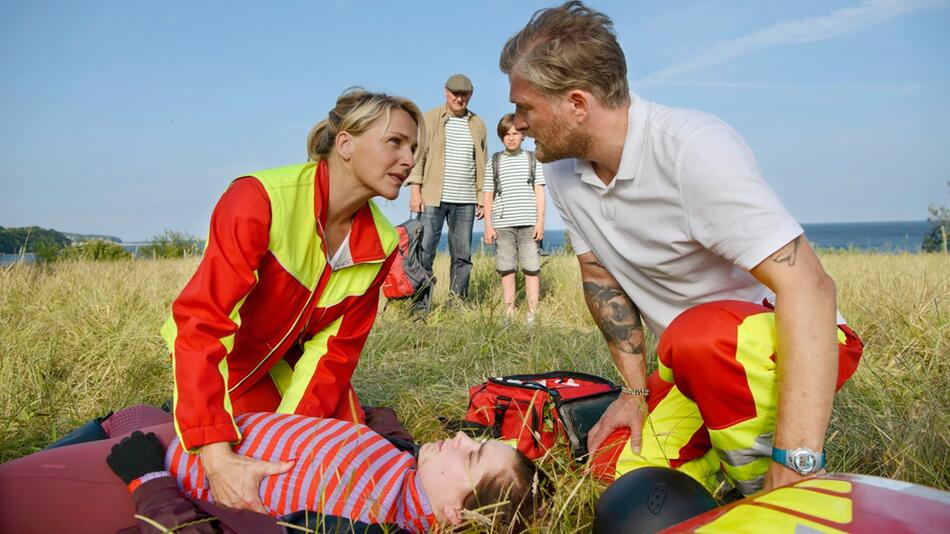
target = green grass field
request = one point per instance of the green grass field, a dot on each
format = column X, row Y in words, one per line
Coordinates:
column 80, row 339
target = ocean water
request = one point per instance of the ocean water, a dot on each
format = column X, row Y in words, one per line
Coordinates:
column 891, row 236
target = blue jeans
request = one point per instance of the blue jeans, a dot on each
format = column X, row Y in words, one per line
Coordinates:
column 460, row 218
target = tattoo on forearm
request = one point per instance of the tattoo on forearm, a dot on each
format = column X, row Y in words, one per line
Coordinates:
column 788, row 254
column 617, row 317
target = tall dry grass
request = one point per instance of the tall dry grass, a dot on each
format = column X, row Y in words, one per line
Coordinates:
column 79, row 339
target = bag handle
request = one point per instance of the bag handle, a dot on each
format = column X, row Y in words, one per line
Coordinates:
column 499, row 412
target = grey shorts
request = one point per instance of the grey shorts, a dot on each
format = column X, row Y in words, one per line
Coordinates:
column 517, row 244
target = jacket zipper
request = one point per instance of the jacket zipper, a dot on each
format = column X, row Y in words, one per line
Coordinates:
column 306, row 306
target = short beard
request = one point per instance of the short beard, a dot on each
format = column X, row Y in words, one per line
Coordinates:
column 564, row 144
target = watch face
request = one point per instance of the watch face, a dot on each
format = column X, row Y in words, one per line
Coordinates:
column 803, row 461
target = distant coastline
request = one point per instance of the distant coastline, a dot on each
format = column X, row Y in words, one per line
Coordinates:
column 882, row 236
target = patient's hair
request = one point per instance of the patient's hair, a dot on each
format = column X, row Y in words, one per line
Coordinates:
column 515, row 497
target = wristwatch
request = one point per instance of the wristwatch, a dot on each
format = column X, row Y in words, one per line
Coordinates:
column 803, row 461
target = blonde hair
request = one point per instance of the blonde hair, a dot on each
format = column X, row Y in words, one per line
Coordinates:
column 569, row 47
column 355, row 112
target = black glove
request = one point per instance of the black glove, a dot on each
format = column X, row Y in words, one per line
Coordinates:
column 137, row 455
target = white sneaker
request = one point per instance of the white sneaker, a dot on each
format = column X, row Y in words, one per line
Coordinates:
column 531, row 319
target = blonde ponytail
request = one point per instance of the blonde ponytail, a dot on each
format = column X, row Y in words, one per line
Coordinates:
column 355, row 112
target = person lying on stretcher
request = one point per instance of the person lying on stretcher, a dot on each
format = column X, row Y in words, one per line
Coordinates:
column 333, row 468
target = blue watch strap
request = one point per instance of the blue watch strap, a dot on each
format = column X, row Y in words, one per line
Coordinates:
column 780, row 456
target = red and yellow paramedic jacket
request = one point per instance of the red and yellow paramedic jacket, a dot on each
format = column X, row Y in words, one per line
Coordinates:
column 264, row 301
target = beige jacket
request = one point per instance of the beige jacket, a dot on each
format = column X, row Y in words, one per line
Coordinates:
column 430, row 167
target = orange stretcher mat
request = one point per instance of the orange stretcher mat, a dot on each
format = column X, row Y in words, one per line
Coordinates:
column 831, row 503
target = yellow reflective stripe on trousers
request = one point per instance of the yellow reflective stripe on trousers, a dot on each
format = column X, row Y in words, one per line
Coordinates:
column 313, row 351
column 745, row 447
column 667, row 429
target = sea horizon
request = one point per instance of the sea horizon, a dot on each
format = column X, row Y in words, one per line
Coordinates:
column 879, row 236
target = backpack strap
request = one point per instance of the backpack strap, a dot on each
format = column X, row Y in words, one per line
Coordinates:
column 495, row 163
column 531, row 163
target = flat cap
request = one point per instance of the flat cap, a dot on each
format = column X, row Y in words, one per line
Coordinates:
column 459, row 83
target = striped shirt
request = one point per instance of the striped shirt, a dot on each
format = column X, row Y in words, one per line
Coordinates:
column 516, row 205
column 342, row 469
column 458, row 183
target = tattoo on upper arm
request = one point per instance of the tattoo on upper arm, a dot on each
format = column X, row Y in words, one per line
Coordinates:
column 593, row 263
column 789, row 253
column 616, row 315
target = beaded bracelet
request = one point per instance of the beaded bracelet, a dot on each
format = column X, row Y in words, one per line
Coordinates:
column 639, row 392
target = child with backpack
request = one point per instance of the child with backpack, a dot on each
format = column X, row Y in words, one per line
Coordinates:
column 514, row 215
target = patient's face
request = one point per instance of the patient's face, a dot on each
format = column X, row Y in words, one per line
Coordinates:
column 458, row 464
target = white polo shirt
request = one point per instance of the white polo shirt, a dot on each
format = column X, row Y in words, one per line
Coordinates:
column 686, row 217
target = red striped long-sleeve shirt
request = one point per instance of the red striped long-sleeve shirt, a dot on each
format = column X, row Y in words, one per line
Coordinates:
column 342, row 469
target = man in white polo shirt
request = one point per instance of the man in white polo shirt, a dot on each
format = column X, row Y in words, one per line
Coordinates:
column 672, row 222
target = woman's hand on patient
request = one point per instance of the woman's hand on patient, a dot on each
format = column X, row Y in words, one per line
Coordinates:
column 628, row 411
column 235, row 479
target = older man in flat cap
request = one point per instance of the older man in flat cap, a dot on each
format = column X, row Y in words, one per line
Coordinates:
column 446, row 185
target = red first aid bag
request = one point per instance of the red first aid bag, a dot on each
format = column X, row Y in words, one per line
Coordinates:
column 532, row 411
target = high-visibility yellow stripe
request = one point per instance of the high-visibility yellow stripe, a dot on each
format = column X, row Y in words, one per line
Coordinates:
column 666, row 373
column 751, row 519
column 744, row 446
column 313, row 351
column 667, row 429
column 228, row 342
column 356, row 279
column 281, row 374
column 351, row 281
column 170, row 334
column 294, row 242
column 388, row 236
column 837, row 486
column 756, row 342
column 816, row 504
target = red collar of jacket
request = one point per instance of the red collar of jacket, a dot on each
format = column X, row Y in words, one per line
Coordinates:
column 364, row 236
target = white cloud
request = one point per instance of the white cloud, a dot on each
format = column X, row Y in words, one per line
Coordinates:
column 816, row 87
column 808, row 30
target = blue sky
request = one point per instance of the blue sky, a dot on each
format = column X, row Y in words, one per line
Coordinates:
column 128, row 118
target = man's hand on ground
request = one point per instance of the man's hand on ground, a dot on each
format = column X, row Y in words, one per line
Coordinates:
column 628, row 411
column 236, row 480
